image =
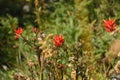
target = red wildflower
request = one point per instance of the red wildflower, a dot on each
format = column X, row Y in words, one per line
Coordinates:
column 58, row 40
column 35, row 30
column 109, row 25
column 18, row 32
column 61, row 66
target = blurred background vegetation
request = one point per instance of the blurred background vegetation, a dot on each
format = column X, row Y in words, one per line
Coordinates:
column 77, row 20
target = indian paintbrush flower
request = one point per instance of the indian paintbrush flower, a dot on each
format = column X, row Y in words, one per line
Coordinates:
column 109, row 25
column 18, row 32
column 36, row 30
column 58, row 40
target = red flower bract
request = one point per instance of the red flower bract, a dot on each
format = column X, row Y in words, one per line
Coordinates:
column 18, row 32
column 58, row 40
column 109, row 25
column 35, row 29
column 61, row 66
